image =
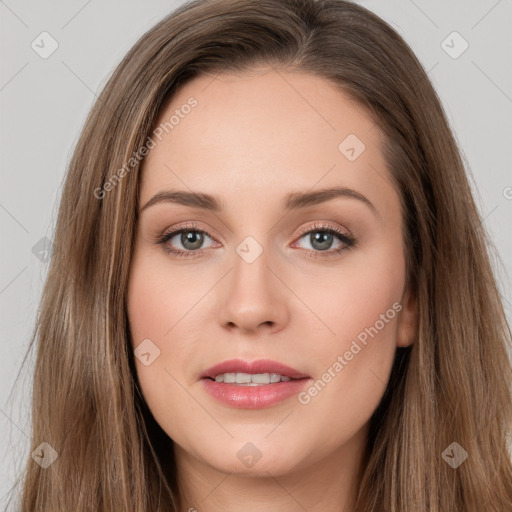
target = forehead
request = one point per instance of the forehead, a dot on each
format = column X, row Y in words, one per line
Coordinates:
column 266, row 132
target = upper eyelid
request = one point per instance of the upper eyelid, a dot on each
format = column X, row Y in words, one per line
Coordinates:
column 317, row 226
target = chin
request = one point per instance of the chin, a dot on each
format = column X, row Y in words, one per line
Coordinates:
column 246, row 458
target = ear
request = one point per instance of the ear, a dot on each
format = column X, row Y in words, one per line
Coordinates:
column 407, row 329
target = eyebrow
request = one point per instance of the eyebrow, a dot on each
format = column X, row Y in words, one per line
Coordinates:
column 292, row 201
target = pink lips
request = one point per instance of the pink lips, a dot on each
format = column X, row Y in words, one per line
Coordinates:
column 253, row 397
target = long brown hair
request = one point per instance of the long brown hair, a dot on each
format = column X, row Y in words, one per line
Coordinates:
column 451, row 385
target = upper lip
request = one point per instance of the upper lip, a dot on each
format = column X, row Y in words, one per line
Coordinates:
column 257, row 366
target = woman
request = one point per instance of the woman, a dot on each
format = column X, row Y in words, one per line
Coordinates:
column 194, row 354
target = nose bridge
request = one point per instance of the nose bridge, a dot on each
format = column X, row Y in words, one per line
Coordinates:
column 252, row 297
column 250, row 274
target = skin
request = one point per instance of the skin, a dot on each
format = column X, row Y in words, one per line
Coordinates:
column 251, row 140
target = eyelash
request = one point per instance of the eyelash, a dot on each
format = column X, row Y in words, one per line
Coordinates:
column 347, row 240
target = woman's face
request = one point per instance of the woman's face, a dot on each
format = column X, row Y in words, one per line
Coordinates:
column 276, row 270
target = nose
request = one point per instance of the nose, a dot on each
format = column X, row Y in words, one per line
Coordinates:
column 253, row 297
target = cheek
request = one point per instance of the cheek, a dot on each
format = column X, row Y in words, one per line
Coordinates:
column 353, row 362
column 162, row 305
column 151, row 318
column 159, row 297
column 353, row 295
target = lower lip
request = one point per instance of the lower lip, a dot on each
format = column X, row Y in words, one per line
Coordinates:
column 253, row 397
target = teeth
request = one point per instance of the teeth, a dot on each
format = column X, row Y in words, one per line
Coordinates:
column 242, row 378
column 263, row 378
column 248, row 379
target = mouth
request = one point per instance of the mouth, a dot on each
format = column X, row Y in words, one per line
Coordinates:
column 251, row 379
column 252, row 385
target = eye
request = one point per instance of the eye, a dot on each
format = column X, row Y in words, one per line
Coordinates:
column 321, row 238
column 190, row 237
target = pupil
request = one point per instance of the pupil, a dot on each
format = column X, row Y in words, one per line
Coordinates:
column 188, row 237
column 324, row 239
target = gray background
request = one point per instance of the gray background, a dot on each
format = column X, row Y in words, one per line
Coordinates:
column 44, row 103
